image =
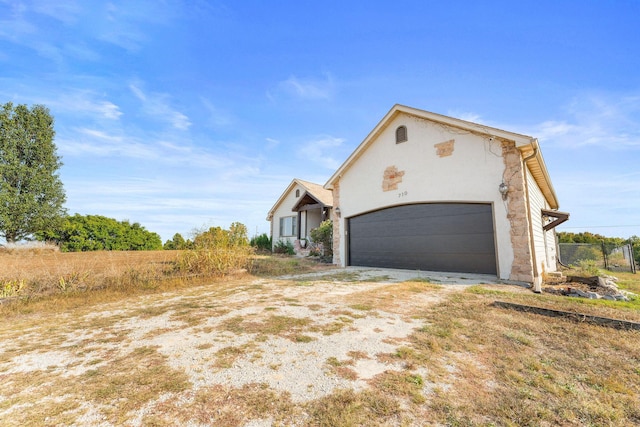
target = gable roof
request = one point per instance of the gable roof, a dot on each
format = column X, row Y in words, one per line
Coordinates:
column 527, row 145
column 317, row 191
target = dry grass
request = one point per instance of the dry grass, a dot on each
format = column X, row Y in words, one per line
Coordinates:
column 63, row 275
column 466, row 363
column 523, row 369
column 37, row 279
column 36, row 265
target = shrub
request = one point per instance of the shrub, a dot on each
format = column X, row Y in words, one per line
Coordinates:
column 323, row 235
column 284, row 247
column 588, row 268
column 177, row 243
column 11, row 288
column 218, row 252
column 262, row 242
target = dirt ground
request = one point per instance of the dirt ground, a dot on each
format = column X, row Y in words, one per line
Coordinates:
column 289, row 334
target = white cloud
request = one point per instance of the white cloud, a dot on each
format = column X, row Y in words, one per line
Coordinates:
column 15, row 26
column 157, row 105
column 93, row 142
column 465, row 115
column 65, row 11
column 307, row 88
column 599, row 120
column 322, row 151
column 272, row 143
column 100, row 135
column 217, row 118
column 64, row 100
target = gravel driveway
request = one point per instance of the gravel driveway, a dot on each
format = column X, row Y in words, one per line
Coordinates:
column 304, row 335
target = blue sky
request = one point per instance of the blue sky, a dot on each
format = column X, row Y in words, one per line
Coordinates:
column 181, row 115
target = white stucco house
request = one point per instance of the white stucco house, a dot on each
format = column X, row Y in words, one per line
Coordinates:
column 301, row 208
column 429, row 192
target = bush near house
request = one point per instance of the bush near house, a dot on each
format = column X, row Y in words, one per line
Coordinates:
column 284, row 247
column 262, row 242
column 323, row 235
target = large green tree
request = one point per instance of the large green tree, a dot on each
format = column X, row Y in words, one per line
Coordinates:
column 31, row 193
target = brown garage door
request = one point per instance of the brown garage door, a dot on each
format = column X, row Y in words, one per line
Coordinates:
column 456, row 237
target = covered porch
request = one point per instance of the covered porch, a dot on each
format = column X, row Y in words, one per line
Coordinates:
column 311, row 212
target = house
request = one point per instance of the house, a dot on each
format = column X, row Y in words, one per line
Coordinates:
column 300, row 209
column 430, row 192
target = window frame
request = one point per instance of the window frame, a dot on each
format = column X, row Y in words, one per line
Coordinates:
column 291, row 227
column 402, row 135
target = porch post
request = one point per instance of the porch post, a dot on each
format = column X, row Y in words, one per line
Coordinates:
column 299, row 223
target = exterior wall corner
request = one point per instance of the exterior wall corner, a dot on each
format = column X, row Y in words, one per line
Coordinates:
column 337, row 229
column 522, row 267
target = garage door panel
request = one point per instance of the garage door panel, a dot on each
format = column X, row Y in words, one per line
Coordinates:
column 442, row 225
column 472, row 243
column 453, row 237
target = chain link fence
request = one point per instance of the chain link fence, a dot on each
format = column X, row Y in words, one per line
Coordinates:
column 608, row 257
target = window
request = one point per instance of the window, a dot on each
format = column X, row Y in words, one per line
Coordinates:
column 298, row 193
column 401, row 134
column 288, row 226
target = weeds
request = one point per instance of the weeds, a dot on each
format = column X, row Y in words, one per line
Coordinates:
column 215, row 261
column 11, row 288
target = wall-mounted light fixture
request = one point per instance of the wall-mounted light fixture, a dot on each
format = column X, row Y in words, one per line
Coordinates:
column 503, row 189
column 337, row 210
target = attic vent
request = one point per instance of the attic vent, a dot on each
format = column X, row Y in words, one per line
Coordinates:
column 401, row 134
column 297, row 193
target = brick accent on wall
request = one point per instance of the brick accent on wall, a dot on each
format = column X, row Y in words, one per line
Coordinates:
column 444, row 149
column 391, row 178
column 336, row 223
column 522, row 267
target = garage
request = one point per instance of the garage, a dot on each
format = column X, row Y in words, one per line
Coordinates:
column 455, row 237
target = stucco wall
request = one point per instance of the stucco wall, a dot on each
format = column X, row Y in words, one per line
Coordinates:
column 436, row 164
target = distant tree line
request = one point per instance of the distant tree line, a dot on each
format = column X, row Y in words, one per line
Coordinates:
column 177, row 243
column 80, row 233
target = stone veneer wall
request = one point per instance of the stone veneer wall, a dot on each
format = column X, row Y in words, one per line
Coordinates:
column 522, row 267
column 336, row 223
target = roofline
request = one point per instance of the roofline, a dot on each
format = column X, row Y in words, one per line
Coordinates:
column 524, row 143
column 307, row 193
column 294, row 181
column 281, row 198
column 542, row 177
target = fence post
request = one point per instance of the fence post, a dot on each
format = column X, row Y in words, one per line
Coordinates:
column 633, row 259
column 604, row 255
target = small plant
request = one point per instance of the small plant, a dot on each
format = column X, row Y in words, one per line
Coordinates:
column 315, row 252
column 262, row 242
column 588, row 267
column 284, row 247
column 11, row 288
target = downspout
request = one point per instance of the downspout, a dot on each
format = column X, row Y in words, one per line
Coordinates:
column 537, row 282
